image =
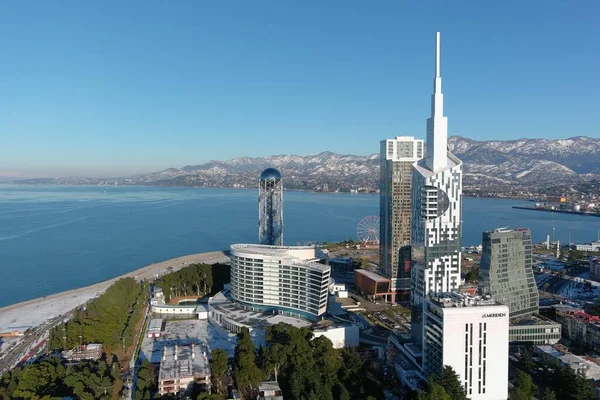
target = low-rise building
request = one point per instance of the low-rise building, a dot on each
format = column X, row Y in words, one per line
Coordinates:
column 341, row 335
column 269, row 390
column 91, row 351
column 534, row 329
column 186, row 306
column 154, row 328
column 587, row 368
column 372, row 285
column 181, row 366
column 594, row 246
column 580, row 327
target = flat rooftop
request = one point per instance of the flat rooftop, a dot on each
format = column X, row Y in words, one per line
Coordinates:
column 252, row 319
column 185, row 332
column 304, row 256
column 372, row 275
column 183, row 361
column 155, row 324
column 532, row 320
column 460, row 299
column 269, row 385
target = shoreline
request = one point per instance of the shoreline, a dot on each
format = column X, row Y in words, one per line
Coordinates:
column 35, row 311
column 572, row 212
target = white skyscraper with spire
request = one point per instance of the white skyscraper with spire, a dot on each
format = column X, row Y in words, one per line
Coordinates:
column 467, row 333
column 437, row 124
column 437, row 208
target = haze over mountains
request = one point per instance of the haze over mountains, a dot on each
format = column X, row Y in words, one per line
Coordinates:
column 491, row 167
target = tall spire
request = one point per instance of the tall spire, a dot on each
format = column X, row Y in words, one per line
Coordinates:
column 437, row 124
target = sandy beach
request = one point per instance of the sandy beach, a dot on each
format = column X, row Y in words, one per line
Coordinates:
column 34, row 312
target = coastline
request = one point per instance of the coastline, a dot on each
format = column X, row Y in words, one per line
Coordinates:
column 585, row 214
column 35, row 311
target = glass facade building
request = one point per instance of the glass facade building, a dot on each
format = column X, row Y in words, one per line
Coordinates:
column 506, row 272
column 395, row 193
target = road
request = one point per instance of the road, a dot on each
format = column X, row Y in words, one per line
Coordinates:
column 27, row 342
column 133, row 363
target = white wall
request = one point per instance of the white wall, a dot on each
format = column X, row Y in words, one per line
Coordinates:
column 173, row 309
column 341, row 336
column 496, row 347
column 203, row 315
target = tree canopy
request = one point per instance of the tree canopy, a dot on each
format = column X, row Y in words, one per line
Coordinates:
column 310, row 368
column 110, row 319
column 246, row 374
column 50, row 379
column 219, row 370
column 194, row 280
column 445, row 386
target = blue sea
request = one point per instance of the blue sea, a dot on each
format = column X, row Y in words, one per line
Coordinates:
column 55, row 238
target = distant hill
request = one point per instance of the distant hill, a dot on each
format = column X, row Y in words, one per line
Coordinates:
column 514, row 167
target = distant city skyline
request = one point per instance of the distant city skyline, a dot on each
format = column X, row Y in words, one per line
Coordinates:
column 108, row 90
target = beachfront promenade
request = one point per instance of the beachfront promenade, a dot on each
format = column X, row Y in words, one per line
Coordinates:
column 36, row 311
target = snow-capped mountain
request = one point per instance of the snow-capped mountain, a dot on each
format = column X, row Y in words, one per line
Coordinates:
column 325, row 171
column 514, row 167
column 527, row 162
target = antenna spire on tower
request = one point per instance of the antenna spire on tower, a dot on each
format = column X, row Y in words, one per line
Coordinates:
column 437, row 55
column 437, row 124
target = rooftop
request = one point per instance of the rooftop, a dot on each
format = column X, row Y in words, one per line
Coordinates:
column 460, row 299
column 268, row 386
column 585, row 317
column 372, row 275
column 155, row 324
column 183, row 361
column 252, row 319
column 530, row 320
column 293, row 255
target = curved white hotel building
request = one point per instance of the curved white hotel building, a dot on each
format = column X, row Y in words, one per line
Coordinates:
column 284, row 279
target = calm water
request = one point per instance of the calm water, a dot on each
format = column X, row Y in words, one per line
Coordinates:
column 56, row 238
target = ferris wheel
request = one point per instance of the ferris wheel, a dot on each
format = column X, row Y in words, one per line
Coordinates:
column 367, row 230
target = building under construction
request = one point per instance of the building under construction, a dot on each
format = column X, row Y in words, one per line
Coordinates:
column 182, row 365
column 92, row 351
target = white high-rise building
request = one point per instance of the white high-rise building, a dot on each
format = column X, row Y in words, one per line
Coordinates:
column 395, row 210
column 286, row 280
column 470, row 334
column 437, row 209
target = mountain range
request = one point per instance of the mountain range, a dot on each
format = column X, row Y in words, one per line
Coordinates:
column 490, row 168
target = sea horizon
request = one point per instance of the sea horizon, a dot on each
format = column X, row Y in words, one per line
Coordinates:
column 71, row 236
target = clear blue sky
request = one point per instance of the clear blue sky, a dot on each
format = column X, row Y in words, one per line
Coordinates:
column 103, row 88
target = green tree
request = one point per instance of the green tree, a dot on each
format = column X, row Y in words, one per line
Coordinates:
column 548, row 395
column 473, row 275
column 434, row 391
column 450, row 381
column 245, row 373
column 145, row 381
column 524, row 389
column 219, row 370
column 274, row 359
column 526, row 360
column 207, row 396
column 570, row 385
